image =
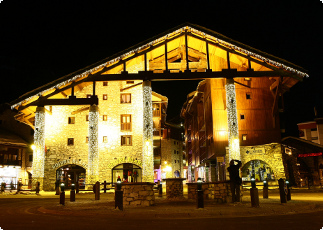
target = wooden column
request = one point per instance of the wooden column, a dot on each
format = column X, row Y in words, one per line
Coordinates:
column 147, row 146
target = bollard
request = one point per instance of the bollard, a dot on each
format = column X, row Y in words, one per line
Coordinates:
column 62, row 195
column 105, row 186
column 265, row 190
column 200, row 198
column 97, row 190
column 288, row 195
column 37, row 187
column 57, row 187
column 118, row 198
column 160, row 189
column 282, row 191
column 72, row 193
column 77, row 187
column 254, row 194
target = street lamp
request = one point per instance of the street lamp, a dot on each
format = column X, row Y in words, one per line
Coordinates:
column 62, row 187
column 199, row 184
column 253, row 182
column 118, row 183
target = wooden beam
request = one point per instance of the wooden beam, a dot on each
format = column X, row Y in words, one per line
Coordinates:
column 248, row 86
column 85, row 108
column 69, row 101
column 129, row 87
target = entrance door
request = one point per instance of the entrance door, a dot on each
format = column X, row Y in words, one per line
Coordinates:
column 71, row 174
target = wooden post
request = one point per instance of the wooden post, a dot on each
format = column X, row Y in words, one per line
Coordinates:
column 166, row 62
column 207, row 54
column 97, row 190
column 186, row 52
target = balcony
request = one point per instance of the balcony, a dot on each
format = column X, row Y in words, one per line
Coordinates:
column 10, row 162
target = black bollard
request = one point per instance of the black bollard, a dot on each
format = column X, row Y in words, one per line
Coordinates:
column 62, row 195
column 282, row 191
column 254, row 194
column 37, row 187
column 265, row 190
column 72, row 193
column 200, row 193
column 118, row 198
column 160, row 189
column 288, row 195
column 77, row 187
column 105, row 186
column 97, row 190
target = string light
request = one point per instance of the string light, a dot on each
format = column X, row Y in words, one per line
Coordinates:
column 147, row 148
column 93, row 156
column 233, row 132
column 39, row 143
column 156, row 41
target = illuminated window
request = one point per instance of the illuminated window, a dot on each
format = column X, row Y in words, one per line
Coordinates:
column 125, row 122
column 125, row 98
column 105, row 97
column 244, row 137
column 247, row 79
column 70, row 141
column 248, row 96
column 130, row 82
column 105, row 83
column 71, row 120
column 241, row 116
column 126, row 140
column 105, row 139
column 87, row 140
column 105, row 117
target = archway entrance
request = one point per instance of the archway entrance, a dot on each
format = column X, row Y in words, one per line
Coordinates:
column 70, row 174
column 258, row 169
column 127, row 172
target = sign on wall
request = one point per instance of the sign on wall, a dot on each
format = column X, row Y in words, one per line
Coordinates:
column 124, row 160
column 69, row 161
column 254, row 150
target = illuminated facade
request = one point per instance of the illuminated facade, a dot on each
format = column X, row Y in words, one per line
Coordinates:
column 99, row 121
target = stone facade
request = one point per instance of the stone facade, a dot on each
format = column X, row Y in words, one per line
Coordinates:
column 172, row 157
column 138, row 194
column 58, row 130
column 271, row 154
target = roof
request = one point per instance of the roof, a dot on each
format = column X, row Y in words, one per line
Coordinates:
column 9, row 139
column 193, row 29
column 302, row 145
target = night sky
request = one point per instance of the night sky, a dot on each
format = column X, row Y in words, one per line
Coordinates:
column 41, row 41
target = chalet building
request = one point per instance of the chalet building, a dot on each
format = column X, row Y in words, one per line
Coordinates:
column 97, row 123
column 15, row 149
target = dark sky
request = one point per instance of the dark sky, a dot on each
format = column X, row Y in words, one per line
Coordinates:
column 44, row 40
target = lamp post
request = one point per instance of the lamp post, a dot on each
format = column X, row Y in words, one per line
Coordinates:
column 265, row 190
column 288, row 195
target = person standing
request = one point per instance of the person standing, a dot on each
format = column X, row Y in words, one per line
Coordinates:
column 235, row 180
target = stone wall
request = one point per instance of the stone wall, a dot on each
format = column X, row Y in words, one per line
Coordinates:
column 218, row 191
column 172, row 153
column 174, row 188
column 138, row 194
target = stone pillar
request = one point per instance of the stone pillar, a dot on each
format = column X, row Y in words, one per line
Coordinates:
column 39, row 150
column 233, row 132
column 92, row 173
column 147, row 146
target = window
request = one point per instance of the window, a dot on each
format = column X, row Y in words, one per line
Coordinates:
column 87, row 140
column 71, row 120
column 126, row 140
column 125, row 122
column 248, row 96
column 87, row 118
column 125, row 98
column 105, row 83
column 174, row 151
column 130, row 82
column 105, row 97
column 244, row 137
column 105, row 139
column 70, row 141
column 241, row 116
column 105, row 117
